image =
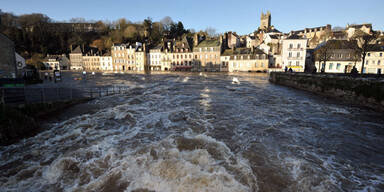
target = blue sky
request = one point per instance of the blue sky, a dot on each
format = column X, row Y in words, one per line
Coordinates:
column 242, row 16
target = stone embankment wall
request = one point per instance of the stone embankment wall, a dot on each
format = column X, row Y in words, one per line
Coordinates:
column 366, row 91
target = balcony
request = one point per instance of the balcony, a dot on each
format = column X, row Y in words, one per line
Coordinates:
column 295, row 58
column 295, row 49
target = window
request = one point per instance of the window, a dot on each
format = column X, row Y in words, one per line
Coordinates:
column 369, row 54
column 298, row 54
column 290, row 54
column 330, row 66
column 366, row 62
column 298, row 46
column 378, row 62
column 297, row 63
column 381, row 54
column 291, row 46
column 338, row 66
column 290, row 63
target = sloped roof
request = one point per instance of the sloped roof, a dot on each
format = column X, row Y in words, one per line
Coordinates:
column 294, row 36
column 242, row 51
column 77, row 50
column 377, row 48
column 342, row 44
column 209, row 43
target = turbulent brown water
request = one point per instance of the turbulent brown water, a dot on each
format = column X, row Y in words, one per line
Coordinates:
column 203, row 132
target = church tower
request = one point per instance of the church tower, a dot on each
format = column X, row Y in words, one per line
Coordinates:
column 265, row 20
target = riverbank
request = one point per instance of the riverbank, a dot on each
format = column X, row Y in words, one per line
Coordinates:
column 19, row 122
column 367, row 91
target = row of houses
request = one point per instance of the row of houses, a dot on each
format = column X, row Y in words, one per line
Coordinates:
column 263, row 50
column 200, row 54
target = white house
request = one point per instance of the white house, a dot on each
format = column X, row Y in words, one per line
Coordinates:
column 106, row 63
column 294, row 53
column 155, row 58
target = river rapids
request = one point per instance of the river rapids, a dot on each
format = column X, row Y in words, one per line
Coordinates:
column 202, row 132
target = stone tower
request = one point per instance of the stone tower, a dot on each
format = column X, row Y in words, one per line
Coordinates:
column 265, row 20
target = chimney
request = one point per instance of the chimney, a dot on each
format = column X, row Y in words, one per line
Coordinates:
column 196, row 40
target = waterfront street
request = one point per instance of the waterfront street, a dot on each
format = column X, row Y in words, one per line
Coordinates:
column 198, row 132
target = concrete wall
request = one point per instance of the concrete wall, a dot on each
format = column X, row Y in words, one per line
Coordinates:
column 367, row 91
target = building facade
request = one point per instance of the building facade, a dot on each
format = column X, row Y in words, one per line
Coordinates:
column 206, row 55
column 245, row 60
column 106, row 62
column 294, row 53
column 342, row 57
column 76, row 58
column 374, row 61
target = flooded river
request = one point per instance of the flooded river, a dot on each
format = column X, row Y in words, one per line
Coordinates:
column 203, row 132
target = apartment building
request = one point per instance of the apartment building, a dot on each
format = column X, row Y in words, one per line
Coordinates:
column 374, row 61
column 245, row 60
column 206, row 54
column 294, row 53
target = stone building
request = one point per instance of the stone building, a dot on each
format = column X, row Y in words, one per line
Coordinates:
column 351, row 29
column 91, row 59
column 76, row 58
column 231, row 39
column 294, row 53
column 319, row 32
column 206, row 54
column 119, row 54
column 265, row 21
column 182, row 55
column 245, row 60
column 7, row 58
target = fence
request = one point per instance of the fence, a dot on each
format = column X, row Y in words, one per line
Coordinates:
column 21, row 95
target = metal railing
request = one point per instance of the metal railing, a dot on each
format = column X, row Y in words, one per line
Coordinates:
column 23, row 95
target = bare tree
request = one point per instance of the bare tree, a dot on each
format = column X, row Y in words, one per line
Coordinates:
column 211, row 31
column 322, row 54
column 77, row 20
column 166, row 21
column 365, row 43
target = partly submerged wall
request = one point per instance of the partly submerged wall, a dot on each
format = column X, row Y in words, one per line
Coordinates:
column 366, row 91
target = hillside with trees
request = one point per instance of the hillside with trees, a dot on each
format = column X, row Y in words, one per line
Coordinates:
column 36, row 35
